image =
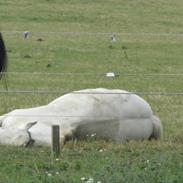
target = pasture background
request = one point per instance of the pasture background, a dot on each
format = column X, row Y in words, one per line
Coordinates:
column 76, row 41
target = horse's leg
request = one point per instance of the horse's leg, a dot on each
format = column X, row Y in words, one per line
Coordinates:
column 1, row 120
column 66, row 135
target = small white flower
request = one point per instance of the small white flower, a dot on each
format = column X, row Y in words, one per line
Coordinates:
column 49, row 174
column 145, row 168
column 57, row 159
column 101, row 150
column 99, row 181
column 147, row 161
column 83, row 178
column 90, row 180
column 57, row 173
column 93, row 135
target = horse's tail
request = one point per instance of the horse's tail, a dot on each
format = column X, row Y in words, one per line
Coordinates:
column 3, row 57
column 157, row 128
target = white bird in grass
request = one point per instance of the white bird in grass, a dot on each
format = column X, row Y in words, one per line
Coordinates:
column 110, row 74
column 113, row 38
column 26, row 34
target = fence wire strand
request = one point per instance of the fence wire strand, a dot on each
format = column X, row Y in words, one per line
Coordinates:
column 95, row 33
column 90, row 93
column 95, row 74
column 64, row 116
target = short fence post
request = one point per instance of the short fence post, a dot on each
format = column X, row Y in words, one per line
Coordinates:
column 55, row 140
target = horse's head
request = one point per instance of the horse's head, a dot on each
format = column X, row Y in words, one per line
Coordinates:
column 16, row 136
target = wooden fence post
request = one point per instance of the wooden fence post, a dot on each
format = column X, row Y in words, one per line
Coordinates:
column 55, row 140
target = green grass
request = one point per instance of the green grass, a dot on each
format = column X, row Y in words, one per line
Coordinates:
column 73, row 43
column 101, row 161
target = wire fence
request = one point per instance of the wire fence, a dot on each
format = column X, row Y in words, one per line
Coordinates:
column 97, row 74
column 66, row 116
column 90, row 93
column 57, row 91
column 94, row 74
column 94, row 33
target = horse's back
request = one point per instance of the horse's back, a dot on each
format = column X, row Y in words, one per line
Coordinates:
column 103, row 102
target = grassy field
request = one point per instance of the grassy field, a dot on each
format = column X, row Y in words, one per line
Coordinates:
column 75, row 38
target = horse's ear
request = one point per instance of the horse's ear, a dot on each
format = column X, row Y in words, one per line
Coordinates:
column 29, row 125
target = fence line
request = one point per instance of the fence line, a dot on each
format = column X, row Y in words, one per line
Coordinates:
column 89, row 93
column 96, row 74
column 96, row 33
column 33, row 92
column 66, row 116
column 62, row 116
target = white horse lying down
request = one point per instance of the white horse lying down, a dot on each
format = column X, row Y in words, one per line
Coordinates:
column 111, row 114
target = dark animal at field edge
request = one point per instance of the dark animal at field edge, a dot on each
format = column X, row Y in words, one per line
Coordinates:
column 3, row 57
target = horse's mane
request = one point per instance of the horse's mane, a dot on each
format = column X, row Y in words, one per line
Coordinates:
column 3, row 57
